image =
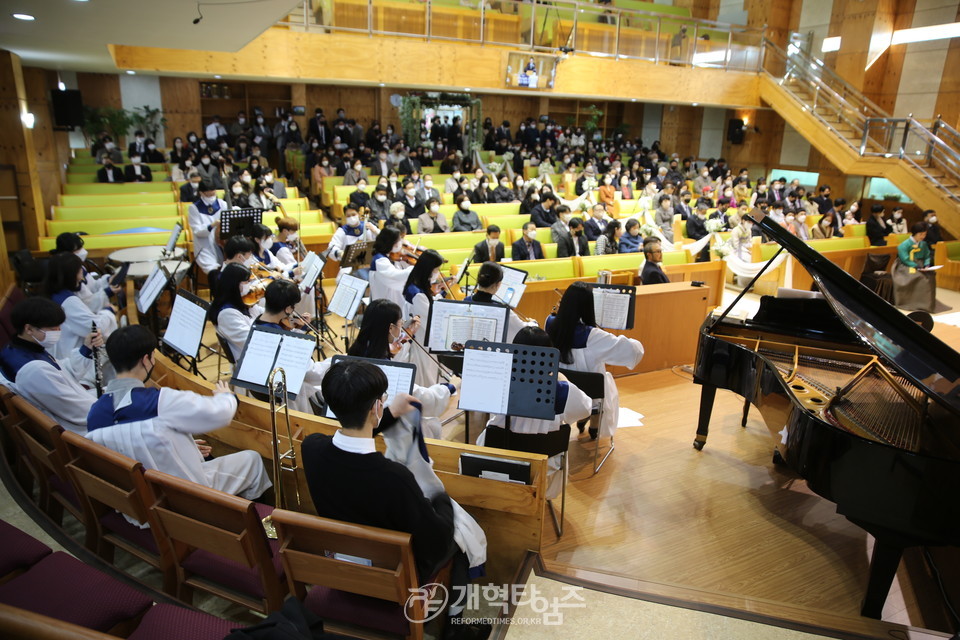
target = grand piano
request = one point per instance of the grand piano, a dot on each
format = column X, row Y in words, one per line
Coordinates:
column 860, row 400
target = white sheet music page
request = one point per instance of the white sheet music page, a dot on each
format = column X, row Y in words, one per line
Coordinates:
column 454, row 321
column 312, row 265
column 485, row 382
column 611, row 308
column 347, row 297
column 258, row 357
column 295, row 357
column 399, row 380
column 185, row 329
column 151, row 289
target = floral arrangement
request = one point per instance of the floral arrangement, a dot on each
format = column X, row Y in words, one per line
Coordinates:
column 648, row 229
column 714, row 225
column 494, row 167
column 508, row 156
column 721, row 250
column 589, row 184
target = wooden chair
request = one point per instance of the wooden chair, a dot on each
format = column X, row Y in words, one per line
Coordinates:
column 217, row 543
column 592, row 384
column 110, row 482
column 40, row 438
column 375, row 596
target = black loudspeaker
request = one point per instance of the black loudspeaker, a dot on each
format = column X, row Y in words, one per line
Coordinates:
column 67, row 108
column 735, row 131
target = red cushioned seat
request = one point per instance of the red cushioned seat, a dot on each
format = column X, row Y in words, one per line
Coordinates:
column 19, row 550
column 340, row 606
column 170, row 622
column 62, row 587
column 114, row 522
column 231, row 574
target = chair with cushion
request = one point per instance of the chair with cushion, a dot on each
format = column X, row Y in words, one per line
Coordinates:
column 217, row 543
column 111, row 485
column 552, row 443
column 876, row 275
column 62, row 587
column 20, row 550
column 369, row 595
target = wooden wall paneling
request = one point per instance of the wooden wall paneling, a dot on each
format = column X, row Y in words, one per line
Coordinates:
column 100, row 89
column 180, row 98
column 761, row 142
column 948, row 101
column 633, row 115
column 298, row 97
column 51, row 148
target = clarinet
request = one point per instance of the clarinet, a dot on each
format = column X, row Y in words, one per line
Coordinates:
column 97, row 367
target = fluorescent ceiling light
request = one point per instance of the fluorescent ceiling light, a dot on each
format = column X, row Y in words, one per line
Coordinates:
column 26, row 17
column 924, row 34
column 830, row 44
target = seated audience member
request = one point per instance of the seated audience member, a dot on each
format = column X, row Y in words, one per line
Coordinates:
column 697, row 229
column 503, row 193
column 543, row 215
column 664, row 217
column 914, row 288
column 426, row 190
column 489, row 249
column 594, row 226
column 933, row 228
column 465, row 218
column 631, row 238
column 528, row 247
column 352, row 230
column 49, row 384
column 156, row 426
column 432, row 221
column 579, row 244
column 190, row 190
column 136, row 171
column 269, row 177
column 109, row 173
column 560, row 231
column 413, row 206
column 63, row 283
column 350, row 481
column 896, row 221
column 379, row 204
column 203, row 216
column 609, row 241
column 824, row 227
column 652, row 272
column 359, row 197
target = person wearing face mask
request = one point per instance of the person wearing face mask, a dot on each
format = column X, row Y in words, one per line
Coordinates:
column 413, row 206
column 355, row 173
column 465, row 218
column 933, row 228
column 432, row 221
column 240, row 127
column 420, row 289
column 544, row 214
column 560, row 232
column 238, row 192
column 490, row 249
column 503, row 192
column 482, row 193
column 803, row 231
column 607, row 192
column 453, row 182
column 387, row 277
column 381, row 165
column 359, row 197
column 108, row 173
column 704, row 180
column 264, row 241
column 33, row 371
column 664, row 217
column 203, row 216
column 155, row 426
column 152, row 154
column 94, row 289
column 594, row 226
column 379, row 204
column 896, row 221
column 62, row 285
column 178, row 152
column 209, row 172
column 136, row 171
column 528, row 247
column 683, row 208
column 352, row 230
column 109, row 150
column 215, row 130
column 277, row 186
column 427, row 190
column 261, row 134
column 139, row 145
column 231, row 316
column 631, row 239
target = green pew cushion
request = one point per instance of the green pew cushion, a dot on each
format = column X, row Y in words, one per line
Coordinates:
column 126, row 187
column 110, row 200
column 837, row 244
column 133, row 211
column 118, row 241
column 56, row 227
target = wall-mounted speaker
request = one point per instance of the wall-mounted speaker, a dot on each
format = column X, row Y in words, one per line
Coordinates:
column 67, row 108
column 735, row 129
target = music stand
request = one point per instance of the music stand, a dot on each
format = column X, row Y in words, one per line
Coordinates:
column 616, row 289
column 238, row 222
column 528, row 378
column 356, row 256
column 184, row 333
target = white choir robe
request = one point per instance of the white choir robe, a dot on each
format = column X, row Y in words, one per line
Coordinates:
column 576, row 407
column 602, row 349
column 207, row 253
column 95, row 291
column 428, row 373
column 387, row 280
column 77, row 326
column 434, row 398
column 157, row 429
column 56, row 393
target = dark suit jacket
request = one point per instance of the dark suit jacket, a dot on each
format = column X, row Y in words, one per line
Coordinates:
column 565, row 246
column 481, row 253
column 592, row 229
column 520, row 250
column 130, row 176
column 374, row 167
column 117, row 174
column 187, row 193
column 407, row 166
column 652, row 274
column 541, row 217
column 696, row 228
column 134, row 149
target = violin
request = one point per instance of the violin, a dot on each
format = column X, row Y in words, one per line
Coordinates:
column 261, row 277
column 409, row 256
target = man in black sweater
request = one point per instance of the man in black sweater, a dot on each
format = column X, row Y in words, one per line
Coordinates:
column 350, row 481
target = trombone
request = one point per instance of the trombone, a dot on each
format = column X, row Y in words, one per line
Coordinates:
column 277, row 387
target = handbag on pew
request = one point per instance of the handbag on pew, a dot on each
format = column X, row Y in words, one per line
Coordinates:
column 293, row 622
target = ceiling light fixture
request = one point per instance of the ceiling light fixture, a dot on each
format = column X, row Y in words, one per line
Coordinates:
column 131, row 72
column 830, row 44
column 26, row 17
column 217, row 77
column 925, row 34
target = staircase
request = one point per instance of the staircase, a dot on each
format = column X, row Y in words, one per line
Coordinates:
column 923, row 160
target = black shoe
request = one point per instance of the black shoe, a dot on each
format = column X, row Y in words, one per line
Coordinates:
column 581, row 425
column 466, row 631
column 593, row 433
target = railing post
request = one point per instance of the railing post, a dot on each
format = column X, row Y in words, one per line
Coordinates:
column 863, row 140
column 482, row 18
column 573, row 30
column 616, row 42
column 656, row 47
column 763, row 52
column 693, row 51
column 370, row 17
column 533, row 25
column 726, row 55
column 429, row 26
column 906, row 132
column 306, row 16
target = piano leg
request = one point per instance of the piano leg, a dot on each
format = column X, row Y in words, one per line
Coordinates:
column 883, row 569
column 707, row 394
column 746, row 412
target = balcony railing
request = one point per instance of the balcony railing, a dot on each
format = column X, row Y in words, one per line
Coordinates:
column 539, row 26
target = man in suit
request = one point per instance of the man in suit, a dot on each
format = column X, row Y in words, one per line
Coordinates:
column 490, row 249
column 381, row 166
column 543, row 215
column 574, row 243
column 190, row 190
column 139, row 145
column 317, row 127
column 410, row 164
column 136, row 171
column 528, row 247
column 595, row 225
column 683, row 208
column 697, row 229
column 109, row 173
column 652, row 273
column 503, row 132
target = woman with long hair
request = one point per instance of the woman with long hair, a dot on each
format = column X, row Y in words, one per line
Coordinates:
column 381, row 336
column 95, row 289
column 489, row 277
column 418, row 293
column 609, row 240
column 231, row 316
column 585, row 347
column 387, row 277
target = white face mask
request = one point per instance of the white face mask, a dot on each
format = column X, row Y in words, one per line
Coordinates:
column 353, row 221
column 428, row 184
column 208, row 199
column 81, row 253
column 933, row 219
column 205, row 161
column 456, row 175
column 250, row 261
column 398, row 214
column 566, row 217
column 237, row 189
column 381, row 197
column 493, row 241
column 188, row 163
column 398, row 247
column 532, row 234
column 434, row 208
column 266, row 243
column 324, row 163
column 178, row 145
column 241, row 120
column 245, row 179
column 897, row 216
column 268, row 178
column 411, row 193
column 292, row 237
column 50, row 339
column 109, row 146
column 465, row 205
column 435, row 276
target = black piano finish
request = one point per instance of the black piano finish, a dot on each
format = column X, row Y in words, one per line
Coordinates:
column 900, row 497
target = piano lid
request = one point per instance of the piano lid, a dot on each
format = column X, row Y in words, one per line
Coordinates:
column 921, row 357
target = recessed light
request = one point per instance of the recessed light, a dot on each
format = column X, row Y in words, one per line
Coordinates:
column 82, row 0
column 633, row 99
column 382, row 84
column 217, row 77
column 696, row 104
column 466, row 88
column 131, row 72
column 26, row 17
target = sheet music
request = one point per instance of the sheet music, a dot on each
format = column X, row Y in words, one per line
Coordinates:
column 154, row 284
column 491, row 326
column 611, row 308
column 510, row 294
column 399, row 380
column 485, row 381
column 174, row 236
column 346, row 298
column 295, row 357
column 259, row 356
column 513, row 276
column 463, row 269
column 312, row 266
column 185, row 329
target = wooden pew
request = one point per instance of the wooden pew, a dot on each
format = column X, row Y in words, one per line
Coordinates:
column 850, row 260
column 947, row 254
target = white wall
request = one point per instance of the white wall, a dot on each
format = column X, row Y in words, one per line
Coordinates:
column 650, row 131
column 139, row 91
column 732, row 11
column 924, row 61
column 713, row 131
column 815, row 19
